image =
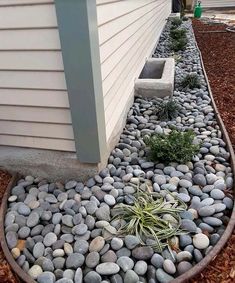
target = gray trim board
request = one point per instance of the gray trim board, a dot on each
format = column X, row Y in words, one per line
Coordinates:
column 77, row 23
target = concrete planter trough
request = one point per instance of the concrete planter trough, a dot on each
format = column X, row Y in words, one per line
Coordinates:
column 156, row 78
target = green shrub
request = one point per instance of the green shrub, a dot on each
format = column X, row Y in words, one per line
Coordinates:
column 178, row 34
column 167, row 110
column 191, row 81
column 180, row 44
column 176, row 22
column 176, row 147
column 184, row 18
column 145, row 218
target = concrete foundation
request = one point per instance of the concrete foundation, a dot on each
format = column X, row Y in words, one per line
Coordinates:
column 48, row 164
column 156, row 78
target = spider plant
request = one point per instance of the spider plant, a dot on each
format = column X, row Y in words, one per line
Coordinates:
column 145, row 219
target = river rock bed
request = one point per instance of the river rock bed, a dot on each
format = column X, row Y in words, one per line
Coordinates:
column 65, row 233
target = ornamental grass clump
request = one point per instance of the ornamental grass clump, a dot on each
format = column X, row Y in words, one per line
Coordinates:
column 145, row 219
column 191, row 81
column 167, row 110
column 176, row 146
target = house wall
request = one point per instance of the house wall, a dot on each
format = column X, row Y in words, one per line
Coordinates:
column 218, row 3
column 128, row 32
column 34, row 106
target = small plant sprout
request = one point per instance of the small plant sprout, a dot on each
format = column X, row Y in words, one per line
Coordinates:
column 167, row 110
column 176, row 146
column 191, row 81
column 147, row 219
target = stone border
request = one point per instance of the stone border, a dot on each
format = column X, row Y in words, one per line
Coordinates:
column 182, row 278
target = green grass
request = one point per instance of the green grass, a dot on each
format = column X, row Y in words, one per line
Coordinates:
column 145, row 219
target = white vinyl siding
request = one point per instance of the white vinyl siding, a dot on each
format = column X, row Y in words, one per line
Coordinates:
column 218, row 3
column 128, row 32
column 34, row 106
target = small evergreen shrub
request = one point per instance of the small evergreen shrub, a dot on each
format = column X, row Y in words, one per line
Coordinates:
column 177, row 45
column 167, row 110
column 191, row 81
column 176, row 147
column 176, row 22
column 184, row 18
column 178, row 34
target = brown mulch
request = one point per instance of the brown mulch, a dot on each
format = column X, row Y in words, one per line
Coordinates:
column 6, row 274
column 218, row 52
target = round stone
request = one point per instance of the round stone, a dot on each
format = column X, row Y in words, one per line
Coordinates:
column 81, row 229
column 68, row 249
column 131, row 277
column 125, row 263
column 50, row 239
column 11, row 238
column 15, row 253
column 32, row 220
column 75, row 260
column 58, row 252
column 97, row 244
column 206, row 211
column 142, row 253
column 46, row 277
column 169, row 266
column 131, row 241
column 184, row 256
column 23, row 209
column 67, row 220
column 217, row 194
column 109, row 256
column 116, row 243
column 199, row 180
column 107, row 268
column 201, row 241
column 81, row 246
column 157, row 260
column 140, row 267
column 47, row 265
column 92, row 259
column 188, row 225
column 163, row 277
column 183, row 267
column 24, row 232
column 38, row 250
column 110, row 200
column 35, row 271
column 93, row 277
